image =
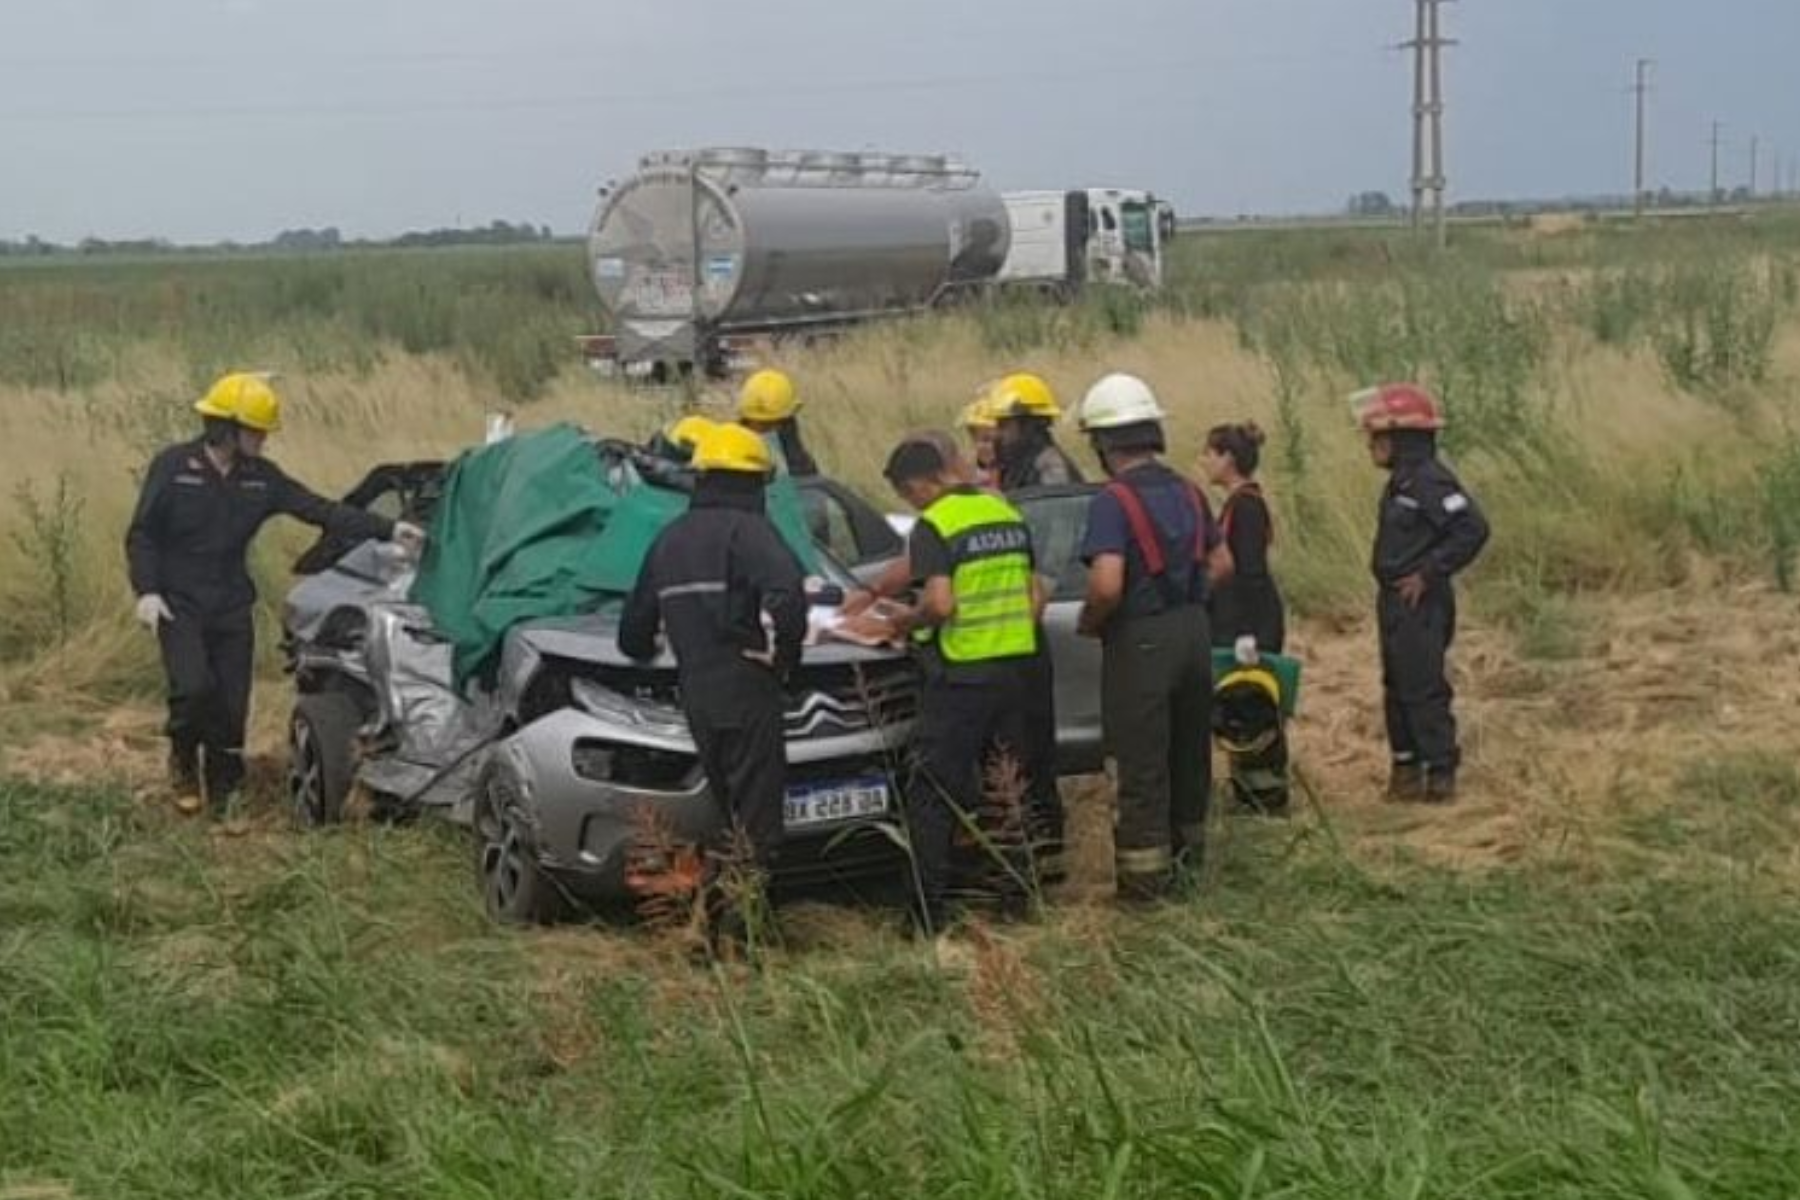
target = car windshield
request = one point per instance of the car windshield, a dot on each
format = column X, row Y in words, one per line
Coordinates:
column 1140, row 230
column 1058, row 522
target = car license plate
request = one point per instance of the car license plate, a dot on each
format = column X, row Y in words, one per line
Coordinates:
column 828, row 803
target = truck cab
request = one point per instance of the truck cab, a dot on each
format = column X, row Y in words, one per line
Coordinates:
column 1124, row 238
column 1064, row 241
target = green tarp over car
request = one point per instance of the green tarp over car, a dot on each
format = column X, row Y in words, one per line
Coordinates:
column 549, row 524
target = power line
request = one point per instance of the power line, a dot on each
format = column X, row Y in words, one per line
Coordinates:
column 429, row 105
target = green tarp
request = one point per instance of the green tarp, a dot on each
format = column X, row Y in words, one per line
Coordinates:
column 539, row 526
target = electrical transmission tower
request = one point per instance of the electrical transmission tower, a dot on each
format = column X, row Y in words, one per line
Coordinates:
column 1642, row 88
column 1718, row 129
column 1428, row 114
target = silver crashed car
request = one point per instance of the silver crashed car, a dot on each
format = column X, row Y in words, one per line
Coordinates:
column 575, row 767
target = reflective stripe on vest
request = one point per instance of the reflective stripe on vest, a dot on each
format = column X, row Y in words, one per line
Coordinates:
column 990, row 573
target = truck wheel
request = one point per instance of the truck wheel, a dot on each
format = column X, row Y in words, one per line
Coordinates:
column 321, row 756
column 514, row 888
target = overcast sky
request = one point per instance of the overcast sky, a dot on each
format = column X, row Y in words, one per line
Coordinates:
column 203, row 119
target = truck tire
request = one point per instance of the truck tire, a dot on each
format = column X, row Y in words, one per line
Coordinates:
column 321, row 757
column 514, row 888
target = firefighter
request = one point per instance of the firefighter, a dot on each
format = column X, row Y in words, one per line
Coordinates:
column 1150, row 546
column 1026, row 455
column 729, row 596
column 979, row 423
column 1429, row 530
column 769, row 406
column 1248, row 617
column 976, row 623
column 1024, row 410
column 201, row 504
column 676, row 440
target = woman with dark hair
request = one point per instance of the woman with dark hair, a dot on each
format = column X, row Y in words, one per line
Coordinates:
column 1249, row 605
column 1247, row 615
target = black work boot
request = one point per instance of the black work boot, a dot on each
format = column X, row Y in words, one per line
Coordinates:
column 184, row 778
column 225, row 782
column 1437, row 785
column 1406, row 780
column 1144, row 889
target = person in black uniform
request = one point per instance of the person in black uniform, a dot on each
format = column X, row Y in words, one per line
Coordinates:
column 201, row 503
column 1247, row 617
column 1430, row 529
column 1151, row 547
column 710, row 580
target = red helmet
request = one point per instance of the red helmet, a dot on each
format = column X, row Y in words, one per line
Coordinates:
column 1396, row 406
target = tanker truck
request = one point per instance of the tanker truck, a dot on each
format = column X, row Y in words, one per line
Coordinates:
column 702, row 256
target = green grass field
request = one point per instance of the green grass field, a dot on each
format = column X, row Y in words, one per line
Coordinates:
column 1582, row 981
column 184, row 1015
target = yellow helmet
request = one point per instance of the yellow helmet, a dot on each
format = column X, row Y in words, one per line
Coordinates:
column 1023, row 394
column 244, row 397
column 687, row 431
column 731, row 447
column 979, row 412
column 1247, row 710
column 767, row 396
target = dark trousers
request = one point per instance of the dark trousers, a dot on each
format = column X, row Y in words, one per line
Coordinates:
column 1038, row 680
column 1415, row 684
column 744, row 754
column 1156, row 711
column 963, row 725
column 207, row 660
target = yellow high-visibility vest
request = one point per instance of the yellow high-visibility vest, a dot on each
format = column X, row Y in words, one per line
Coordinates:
column 990, row 557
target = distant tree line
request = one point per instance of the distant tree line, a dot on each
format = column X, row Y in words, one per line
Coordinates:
column 291, row 241
column 1381, row 205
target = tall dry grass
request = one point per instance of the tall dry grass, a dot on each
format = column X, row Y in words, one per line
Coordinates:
column 1599, row 465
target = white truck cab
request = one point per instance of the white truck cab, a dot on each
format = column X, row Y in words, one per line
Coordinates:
column 1063, row 241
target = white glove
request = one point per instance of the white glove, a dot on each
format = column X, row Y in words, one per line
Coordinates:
column 1245, row 651
column 152, row 611
column 410, row 536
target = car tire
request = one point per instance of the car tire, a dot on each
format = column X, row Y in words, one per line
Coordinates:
column 515, row 890
column 321, row 757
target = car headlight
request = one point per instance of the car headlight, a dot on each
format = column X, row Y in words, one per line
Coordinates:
column 608, row 705
column 633, row 766
column 592, row 761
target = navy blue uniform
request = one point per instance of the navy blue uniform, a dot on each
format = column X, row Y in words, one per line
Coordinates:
column 1429, row 526
column 707, row 581
column 188, row 542
column 1156, row 674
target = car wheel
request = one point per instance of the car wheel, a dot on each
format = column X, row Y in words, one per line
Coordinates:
column 514, row 888
column 321, row 756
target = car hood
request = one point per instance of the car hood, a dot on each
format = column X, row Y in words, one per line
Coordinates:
column 594, row 638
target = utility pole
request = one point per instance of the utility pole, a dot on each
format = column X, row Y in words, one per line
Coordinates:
column 1642, row 88
column 1718, row 128
column 1428, row 114
column 1755, row 145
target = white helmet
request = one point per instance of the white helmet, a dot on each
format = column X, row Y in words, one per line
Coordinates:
column 1116, row 401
